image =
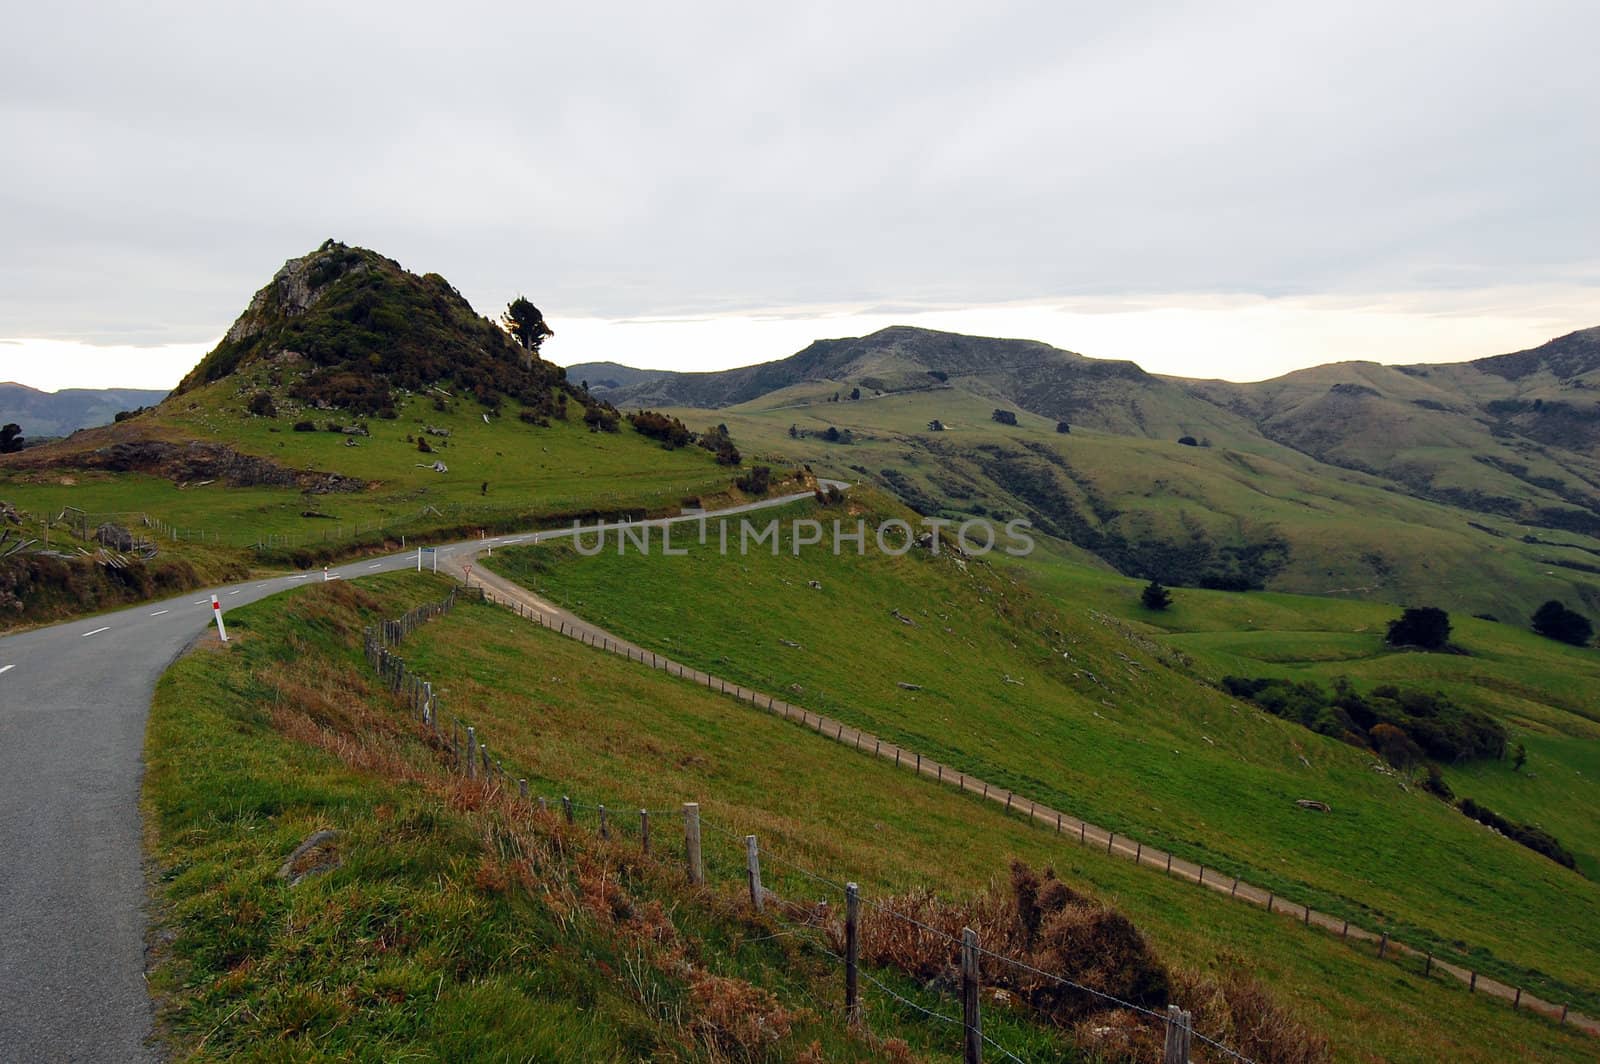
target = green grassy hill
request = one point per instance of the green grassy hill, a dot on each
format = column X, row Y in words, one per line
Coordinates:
column 460, row 927
column 352, row 404
column 1065, row 702
column 1390, row 483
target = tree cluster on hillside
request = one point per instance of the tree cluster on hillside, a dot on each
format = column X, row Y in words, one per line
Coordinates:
column 1004, row 417
column 1554, row 621
column 1405, row 727
column 758, row 481
column 717, row 440
column 1427, row 627
column 11, row 440
column 669, row 430
column 1533, row 837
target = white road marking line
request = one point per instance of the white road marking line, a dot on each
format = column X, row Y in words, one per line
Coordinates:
column 202, row 602
column 160, row 612
column 260, row 586
column 374, row 565
column 235, row 592
column 6, row 668
column 97, row 631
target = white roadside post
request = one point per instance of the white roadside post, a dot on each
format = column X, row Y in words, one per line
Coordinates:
column 216, row 611
column 324, row 574
column 419, row 559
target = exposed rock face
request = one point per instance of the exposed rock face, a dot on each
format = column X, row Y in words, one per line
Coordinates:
column 183, row 463
column 292, row 290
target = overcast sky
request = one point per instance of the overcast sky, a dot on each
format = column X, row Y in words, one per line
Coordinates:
column 1216, row 189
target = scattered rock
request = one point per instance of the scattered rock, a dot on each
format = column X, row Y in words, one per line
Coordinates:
column 114, row 536
column 1316, row 806
column 316, row 855
column 815, row 585
column 902, row 618
column 909, row 686
column 791, row 643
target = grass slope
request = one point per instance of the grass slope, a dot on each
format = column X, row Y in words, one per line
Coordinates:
column 409, row 951
column 1077, row 708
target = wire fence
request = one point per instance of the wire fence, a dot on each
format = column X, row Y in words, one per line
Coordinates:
column 1060, row 823
column 468, row 754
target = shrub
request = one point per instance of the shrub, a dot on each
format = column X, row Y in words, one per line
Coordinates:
column 669, row 430
column 1155, row 597
column 717, row 440
column 1063, row 427
column 1188, row 441
column 305, row 426
column 757, row 481
column 1004, row 417
column 601, row 416
column 1427, row 627
column 1534, row 838
column 1554, row 621
column 261, row 405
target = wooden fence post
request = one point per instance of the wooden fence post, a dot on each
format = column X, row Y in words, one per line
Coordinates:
column 522, row 789
column 752, row 863
column 1179, row 1035
column 691, row 842
column 472, row 752
column 605, row 829
column 1427, row 968
column 852, row 953
column 644, row 831
column 971, row 1019
column 543, row 805
column 1383, row 945
column 566, row 808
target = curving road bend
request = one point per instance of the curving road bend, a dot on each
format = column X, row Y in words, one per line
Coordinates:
column 73, row 702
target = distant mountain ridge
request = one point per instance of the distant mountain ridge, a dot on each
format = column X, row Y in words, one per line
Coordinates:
column 44, row 414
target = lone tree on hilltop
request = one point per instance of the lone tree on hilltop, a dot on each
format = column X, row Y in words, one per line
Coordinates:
column 1427, row 627
column 1554, row 621
column 1155, row 597
column 526, row 326
column 1004, row 417
column 1063, row 427
column 11, row 438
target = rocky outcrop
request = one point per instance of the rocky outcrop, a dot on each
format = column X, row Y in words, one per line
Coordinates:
column 194, row 462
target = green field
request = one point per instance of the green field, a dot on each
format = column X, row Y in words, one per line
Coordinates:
column 1054, row 695
column 414, row 950
column 1349, row 533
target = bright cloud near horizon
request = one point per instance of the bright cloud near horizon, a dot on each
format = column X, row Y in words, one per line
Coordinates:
column 1226, row 190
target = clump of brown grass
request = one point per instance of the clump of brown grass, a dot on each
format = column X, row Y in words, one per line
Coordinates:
column 1232, row 1006
column 736, row 1020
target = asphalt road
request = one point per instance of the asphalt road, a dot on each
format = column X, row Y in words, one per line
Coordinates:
column 73, row 701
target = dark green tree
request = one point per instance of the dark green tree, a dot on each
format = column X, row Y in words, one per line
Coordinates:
column 1554, row 621
column 1155, row 597
column 855, row 393
column 1519, row 758
column 1063, row 427
column 1427, row 627
column 527, row 326
column 11, row 438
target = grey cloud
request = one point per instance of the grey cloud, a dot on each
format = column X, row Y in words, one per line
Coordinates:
column 641, row 161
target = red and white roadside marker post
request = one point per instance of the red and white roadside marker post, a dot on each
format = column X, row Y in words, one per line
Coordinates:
column 324, row 574
column 216, row 611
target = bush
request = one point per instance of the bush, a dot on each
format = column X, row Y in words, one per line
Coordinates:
column 669, row 430
column 1155, row 597
column 601, row 416
column 717, row 440
column 261, row 405
column 305, row 426
column 1432, row 725
column 1534, row 838
column 757, row 481
column 1427, row 627
column 1188, row 441
column 1063, row 427
column 1004, row 417
column 1554, row 621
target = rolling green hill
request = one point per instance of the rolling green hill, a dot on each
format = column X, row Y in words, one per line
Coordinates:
column 1474, row 485
column 351, row 404
column 1056, row 697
